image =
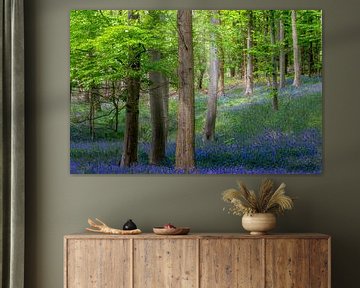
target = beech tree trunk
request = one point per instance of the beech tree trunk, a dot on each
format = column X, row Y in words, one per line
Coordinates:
column 249, row 89
column 209, row 130
column 129, row 155
column 274, row 85
column 282, row 54
column 158, row 142
column 160, row 90
column 297, row 71
column 130, row 146
column 185, row 141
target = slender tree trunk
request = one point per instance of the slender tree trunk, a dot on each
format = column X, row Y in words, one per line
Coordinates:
column 274, row 85
column 165, row 92
column 311, row 59
column 267, row 30
column 282, row 54
column 92, row 113
column 157, row 112
column 201, row 77
column 221, row 71
column 221, row 57
column 232, row 72
column 116, row 118
column 209, row 131
column 249, row 58
column 185, row 141
column 297, row 71
column 130, row 146
column 202, row 59
column 243, row 67
column 318, row 59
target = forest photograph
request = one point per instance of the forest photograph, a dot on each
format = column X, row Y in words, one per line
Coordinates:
column 196, row 92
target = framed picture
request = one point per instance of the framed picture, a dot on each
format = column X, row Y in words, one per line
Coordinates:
column 196, row 91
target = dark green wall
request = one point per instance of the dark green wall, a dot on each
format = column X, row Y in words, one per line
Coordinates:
column 58, row 203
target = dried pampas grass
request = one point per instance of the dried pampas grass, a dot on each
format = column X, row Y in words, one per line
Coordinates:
column 245, row 201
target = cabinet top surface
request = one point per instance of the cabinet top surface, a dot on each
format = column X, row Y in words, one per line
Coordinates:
column 87, row 235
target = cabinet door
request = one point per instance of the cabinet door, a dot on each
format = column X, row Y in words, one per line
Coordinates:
column 231, row 263
column 165, row 263
column 320, row 263
column 98, row 263
column 287, row 263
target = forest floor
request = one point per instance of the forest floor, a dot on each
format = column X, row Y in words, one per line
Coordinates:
column 251, row 138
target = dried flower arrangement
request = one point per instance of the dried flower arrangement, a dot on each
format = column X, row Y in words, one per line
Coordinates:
column 268, row 200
